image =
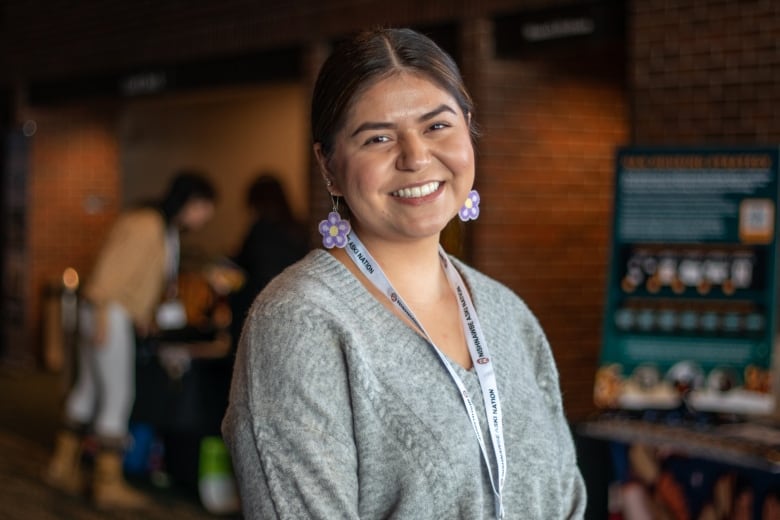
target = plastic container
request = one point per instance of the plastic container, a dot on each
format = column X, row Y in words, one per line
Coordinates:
column 216, row 483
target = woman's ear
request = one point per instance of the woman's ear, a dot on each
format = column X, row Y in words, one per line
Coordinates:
column 322, row 162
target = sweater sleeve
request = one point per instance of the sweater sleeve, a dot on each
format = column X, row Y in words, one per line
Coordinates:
column 289, row 421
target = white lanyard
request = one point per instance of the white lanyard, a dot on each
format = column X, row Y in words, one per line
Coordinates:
column 480, row 356
column 172, row 261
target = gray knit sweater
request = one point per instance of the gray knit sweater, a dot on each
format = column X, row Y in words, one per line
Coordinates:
column 339, row 410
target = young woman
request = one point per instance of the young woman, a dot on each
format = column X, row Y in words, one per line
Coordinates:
column 136, row 267
column 381, row 378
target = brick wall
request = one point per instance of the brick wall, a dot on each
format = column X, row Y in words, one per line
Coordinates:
column 545, row 173
column 705, row 72
column 73, row 195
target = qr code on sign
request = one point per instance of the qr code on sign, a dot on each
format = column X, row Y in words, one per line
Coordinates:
column 756, row 220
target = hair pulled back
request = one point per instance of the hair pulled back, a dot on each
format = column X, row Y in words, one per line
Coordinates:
column 368, row 57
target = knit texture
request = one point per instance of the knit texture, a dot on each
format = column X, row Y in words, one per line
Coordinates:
column 340, row 410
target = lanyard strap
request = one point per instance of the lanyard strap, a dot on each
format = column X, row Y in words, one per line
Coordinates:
column 172, row 261
column 478, row 350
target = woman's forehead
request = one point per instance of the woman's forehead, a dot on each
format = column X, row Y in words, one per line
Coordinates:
column 404, row 88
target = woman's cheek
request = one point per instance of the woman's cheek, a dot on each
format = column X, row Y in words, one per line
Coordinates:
column 462, row 161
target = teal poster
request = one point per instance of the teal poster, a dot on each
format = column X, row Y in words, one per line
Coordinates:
column 690, row 311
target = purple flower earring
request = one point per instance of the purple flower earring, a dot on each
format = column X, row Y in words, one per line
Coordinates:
column 334, row 229
column 470, row 208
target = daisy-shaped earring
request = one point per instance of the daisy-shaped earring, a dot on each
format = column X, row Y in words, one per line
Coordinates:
column 334, row 229
column 470, row 208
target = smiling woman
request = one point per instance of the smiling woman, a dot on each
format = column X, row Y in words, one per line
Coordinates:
column 403, row 159
column 382, row 378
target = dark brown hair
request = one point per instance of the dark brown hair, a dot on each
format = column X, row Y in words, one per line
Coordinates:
column 187, row 185
column 267, row 199
column 372, row 55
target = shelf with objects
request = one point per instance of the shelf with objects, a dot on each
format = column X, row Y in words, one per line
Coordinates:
column 686, row 378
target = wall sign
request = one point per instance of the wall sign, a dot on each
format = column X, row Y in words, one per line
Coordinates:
column 691, row 297
column 525, row 32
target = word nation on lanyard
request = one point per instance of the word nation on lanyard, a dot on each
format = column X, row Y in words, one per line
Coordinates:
column 480, row 357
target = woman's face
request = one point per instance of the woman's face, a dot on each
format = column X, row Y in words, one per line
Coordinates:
column 195, row 214
column 404, row 160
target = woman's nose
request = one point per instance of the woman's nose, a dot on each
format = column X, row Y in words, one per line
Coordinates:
column 414, row 153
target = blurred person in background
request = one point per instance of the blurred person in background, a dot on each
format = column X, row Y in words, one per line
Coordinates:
column 274, row 241
column 131, row 292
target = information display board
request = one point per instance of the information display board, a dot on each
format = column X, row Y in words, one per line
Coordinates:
column 691, row 297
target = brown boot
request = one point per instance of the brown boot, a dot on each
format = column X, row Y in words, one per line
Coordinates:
column 64, row 469
column 109, row 489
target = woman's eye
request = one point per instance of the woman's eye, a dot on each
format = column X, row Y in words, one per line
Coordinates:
column 377, row 139
column 439, row 126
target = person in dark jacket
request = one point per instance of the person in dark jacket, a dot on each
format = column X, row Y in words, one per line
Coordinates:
column 274, row 241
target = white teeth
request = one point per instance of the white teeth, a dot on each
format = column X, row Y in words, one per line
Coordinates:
column 417, row 191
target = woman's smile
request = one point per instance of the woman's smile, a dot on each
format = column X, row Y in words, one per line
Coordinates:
column 418, row 192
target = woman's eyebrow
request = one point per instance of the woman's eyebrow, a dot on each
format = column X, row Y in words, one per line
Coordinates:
column 381, row 125
column 436, row 111
column 372, row 126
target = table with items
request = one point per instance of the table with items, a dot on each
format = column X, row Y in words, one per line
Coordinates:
column 675, row 464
